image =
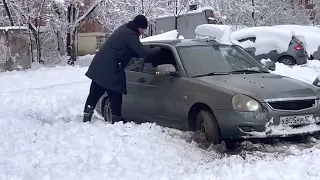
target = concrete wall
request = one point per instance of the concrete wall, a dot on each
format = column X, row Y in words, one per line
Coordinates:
column 87, row 42
column 186, row 24
column 18, row 43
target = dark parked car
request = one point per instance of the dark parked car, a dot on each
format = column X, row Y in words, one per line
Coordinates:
column 216, row 88
column 296, row 53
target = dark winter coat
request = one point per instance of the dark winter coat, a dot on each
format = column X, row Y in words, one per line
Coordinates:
column 107, row 66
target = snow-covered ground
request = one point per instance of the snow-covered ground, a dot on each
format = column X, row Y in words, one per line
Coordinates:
column 42, row 137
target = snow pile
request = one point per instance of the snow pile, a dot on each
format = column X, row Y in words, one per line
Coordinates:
column 170, row 35
column 267, row 39
column 221, row 33
column 180, row 37
column 308, row 35
column 306, row 73
column 263, row 61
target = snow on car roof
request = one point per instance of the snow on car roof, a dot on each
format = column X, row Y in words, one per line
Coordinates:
column 278, row 37
column 308, row 35
column 183, row 42
column 220, row 33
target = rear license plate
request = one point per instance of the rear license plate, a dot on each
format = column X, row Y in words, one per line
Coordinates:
column 296, row 120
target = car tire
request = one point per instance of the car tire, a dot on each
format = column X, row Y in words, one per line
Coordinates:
column 207, row 123
column 107, row 111
column 287, row 60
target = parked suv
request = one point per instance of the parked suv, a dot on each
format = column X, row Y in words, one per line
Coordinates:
column 296, row 53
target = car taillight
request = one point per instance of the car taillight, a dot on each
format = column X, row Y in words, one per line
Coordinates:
column 298, row 47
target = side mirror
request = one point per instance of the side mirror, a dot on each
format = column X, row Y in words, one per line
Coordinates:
column 270, row 65
column 166, row 69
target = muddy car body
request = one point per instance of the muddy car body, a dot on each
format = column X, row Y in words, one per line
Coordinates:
column 219, row 89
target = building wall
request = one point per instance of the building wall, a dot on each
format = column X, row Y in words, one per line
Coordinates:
column 88, row 42
column 92, row 26
column 186, row 24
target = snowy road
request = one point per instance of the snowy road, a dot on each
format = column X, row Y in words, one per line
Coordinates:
column 42, row 137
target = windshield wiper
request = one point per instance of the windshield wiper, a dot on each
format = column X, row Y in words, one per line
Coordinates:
column 212, row 74
column 245, row 71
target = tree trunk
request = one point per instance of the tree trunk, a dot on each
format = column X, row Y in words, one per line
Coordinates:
column 39, row 48
column 8, row 11
column 68, row 33
column 253, row 18
column 71, row 35
column 31, row 46
column 176, row 15
column 38, row 42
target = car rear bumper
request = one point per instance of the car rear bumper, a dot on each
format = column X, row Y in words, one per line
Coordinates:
column 265, row 124
column 301, row 58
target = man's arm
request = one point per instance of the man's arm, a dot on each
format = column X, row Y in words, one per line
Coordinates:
column 136, row 46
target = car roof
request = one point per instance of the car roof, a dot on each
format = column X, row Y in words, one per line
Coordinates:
column 183, row 42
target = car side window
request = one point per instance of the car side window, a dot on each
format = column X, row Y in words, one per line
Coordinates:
column 135, row 64
column 149, row 68
column 164, row 57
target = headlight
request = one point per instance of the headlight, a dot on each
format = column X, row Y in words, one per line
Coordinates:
column 245, row 103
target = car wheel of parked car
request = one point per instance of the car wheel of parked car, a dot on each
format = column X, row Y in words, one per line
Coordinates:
column 206, row 122
column 287, row 60
column 107, row 111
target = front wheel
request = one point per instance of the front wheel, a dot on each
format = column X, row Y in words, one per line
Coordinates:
column 207, row 123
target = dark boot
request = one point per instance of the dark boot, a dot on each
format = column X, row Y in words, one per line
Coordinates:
column 117, row 119
column 87, row 113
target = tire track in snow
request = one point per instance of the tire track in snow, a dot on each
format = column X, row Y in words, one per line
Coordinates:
column 44, row 87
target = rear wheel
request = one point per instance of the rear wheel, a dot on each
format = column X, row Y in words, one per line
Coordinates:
column 206, row 123
column 107, row 114
column 287, row 60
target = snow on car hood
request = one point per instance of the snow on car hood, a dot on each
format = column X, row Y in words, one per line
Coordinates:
column 262, row 86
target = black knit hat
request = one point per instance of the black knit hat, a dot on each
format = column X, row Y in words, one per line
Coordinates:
column 141, row 21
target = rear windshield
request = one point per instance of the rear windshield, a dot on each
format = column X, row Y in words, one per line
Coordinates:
column 199, row 60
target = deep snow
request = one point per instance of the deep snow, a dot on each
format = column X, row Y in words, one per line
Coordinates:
column 42, row 137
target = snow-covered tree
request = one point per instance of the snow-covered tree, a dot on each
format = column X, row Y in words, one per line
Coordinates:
column 316, row 12
column 259, row 12
column 111, row 14
column 74, row 11
column 28, row 13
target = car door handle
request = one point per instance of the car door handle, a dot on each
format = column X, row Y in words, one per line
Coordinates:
column 142, row 80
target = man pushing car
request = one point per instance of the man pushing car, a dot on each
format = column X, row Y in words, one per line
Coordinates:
column 107, row 67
